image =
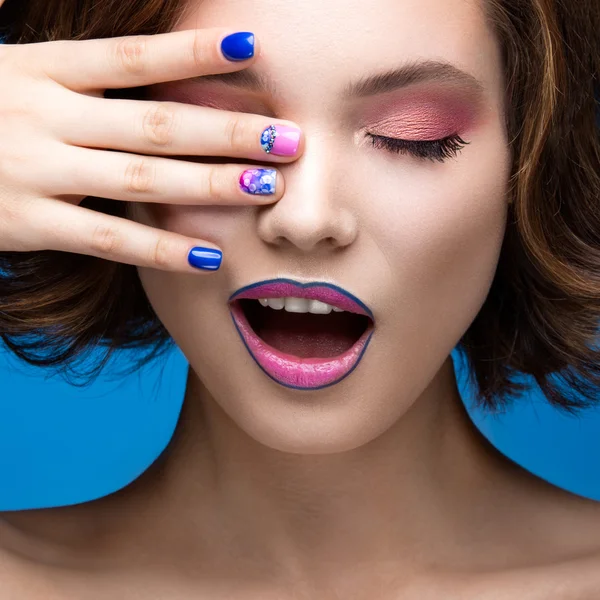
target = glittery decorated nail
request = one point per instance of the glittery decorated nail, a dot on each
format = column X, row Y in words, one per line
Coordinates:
column 280, row 140
column 258, row 181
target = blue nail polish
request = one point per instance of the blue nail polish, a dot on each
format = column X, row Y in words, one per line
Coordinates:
column 208, row 259
column 238, row 46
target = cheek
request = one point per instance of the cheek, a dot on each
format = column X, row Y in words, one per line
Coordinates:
column 178, row 298
column 440, row 228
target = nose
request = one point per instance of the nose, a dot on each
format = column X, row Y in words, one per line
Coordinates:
column 310, row 216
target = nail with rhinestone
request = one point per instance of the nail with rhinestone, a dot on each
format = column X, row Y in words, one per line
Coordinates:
column 280, row 140
column 258, row 181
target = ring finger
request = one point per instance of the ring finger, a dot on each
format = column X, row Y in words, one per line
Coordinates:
column 137, row 178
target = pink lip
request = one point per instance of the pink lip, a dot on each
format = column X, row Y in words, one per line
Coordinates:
column 293, row 371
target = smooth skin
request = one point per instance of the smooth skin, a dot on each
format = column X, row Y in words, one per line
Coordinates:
column 56, row 126
column 379, row 487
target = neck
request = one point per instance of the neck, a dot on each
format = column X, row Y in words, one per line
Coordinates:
column 394, row 496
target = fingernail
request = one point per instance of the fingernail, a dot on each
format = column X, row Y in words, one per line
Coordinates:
column 280, row 140
column 258, row 181
column 238, row 46
column 208, row 259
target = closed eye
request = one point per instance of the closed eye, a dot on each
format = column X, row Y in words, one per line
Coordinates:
column 439, row 150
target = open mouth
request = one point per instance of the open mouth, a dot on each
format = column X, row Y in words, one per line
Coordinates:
column 298, row 340
column 305, row 335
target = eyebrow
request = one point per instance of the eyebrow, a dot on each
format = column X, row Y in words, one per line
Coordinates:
column 379, row 83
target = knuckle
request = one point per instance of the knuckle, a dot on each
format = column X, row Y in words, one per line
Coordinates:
column 160, row 253
column 12, row 212
column 130, row 54
column 16, row 170
column 105, row 240
column 24, row 64
column 214, row 184
column 140, row 176
column 158, row 124
column 199, row 50
column 11, row 166
column 236, row 133
column 17, row 59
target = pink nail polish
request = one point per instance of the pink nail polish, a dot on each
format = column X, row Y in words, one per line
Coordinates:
column 280, row 140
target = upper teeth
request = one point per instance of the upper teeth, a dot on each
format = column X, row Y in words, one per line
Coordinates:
column 299, row 305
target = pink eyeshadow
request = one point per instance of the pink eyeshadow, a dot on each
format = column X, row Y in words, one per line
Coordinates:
column 421, row 115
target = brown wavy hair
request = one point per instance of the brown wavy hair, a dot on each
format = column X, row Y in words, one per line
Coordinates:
column 540, row 318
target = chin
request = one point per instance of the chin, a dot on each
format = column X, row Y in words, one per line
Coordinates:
column 336, row 418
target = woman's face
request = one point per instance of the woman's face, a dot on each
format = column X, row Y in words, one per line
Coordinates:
column 416, row 240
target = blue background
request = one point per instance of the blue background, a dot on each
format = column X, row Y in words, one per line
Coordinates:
column 62, row 444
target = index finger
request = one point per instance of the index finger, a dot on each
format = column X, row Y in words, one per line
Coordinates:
column 135, row 61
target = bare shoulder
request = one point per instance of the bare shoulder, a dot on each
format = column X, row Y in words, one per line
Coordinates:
column 565, row 522
column 550, row 551
column 25, row 579
column 533, row 541
column 19, row 580
column 575, row 579
column 557, row 537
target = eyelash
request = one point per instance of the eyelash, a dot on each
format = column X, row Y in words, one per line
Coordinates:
column 439, row 150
